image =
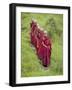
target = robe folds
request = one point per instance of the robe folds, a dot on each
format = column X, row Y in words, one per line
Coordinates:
column 44, row 50
column 44, row 53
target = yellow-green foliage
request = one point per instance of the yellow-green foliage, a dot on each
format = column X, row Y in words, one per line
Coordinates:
column 30, row 64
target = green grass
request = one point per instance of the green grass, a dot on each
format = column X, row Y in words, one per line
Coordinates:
column 30, row 64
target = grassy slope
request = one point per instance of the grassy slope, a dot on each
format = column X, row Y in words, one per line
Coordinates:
column 30, row 64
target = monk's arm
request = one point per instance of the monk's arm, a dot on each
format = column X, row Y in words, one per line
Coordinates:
column 44, row 44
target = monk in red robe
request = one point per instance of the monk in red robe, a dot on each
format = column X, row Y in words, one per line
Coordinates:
column 44, row 51
column 47, row 50
column 35, row 37
column 33, row 30
column 39, row 43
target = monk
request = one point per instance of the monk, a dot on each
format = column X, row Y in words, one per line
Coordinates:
column 35, row 36
column 39, row 43
column 44, row 51
column 33, row 30
column 47, row 50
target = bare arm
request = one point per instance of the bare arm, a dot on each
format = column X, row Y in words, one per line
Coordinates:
column 44, row 44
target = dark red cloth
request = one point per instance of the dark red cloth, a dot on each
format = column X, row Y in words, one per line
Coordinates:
column 44, row 51
column 32, row 34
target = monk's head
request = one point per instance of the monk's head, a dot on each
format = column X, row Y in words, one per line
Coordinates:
column 34, row 21
column 45, row 33
column 41, row 29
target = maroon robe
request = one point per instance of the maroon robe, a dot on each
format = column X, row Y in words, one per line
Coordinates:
column 40, row 46
column 32, row 34
column 44, row 51
column 47, row 51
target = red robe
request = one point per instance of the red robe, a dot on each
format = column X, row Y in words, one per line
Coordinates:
column 40, row 35
column 40, row 46
column 32, row 34
column 44, row 51
column 47, row 51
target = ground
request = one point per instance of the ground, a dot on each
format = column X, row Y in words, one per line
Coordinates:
column 30, row 64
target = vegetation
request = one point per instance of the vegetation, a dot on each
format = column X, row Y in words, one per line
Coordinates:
column 30, row 64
